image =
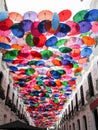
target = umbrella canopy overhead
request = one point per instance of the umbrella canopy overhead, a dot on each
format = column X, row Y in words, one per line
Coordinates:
column 45, row 53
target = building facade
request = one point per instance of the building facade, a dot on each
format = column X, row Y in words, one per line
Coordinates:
column 11, row 105
column 81, row 111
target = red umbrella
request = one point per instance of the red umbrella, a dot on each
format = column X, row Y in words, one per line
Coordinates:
column 6, row 24
column 64, row 15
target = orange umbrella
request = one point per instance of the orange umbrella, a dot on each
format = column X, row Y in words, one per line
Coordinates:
column 16, row 46
column 15, row 16
column 56, row 62
column 89, row 41
column 45, row 15
column 77, row 70
column 4, row 39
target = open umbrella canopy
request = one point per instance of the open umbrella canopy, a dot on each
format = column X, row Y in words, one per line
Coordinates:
column 45, row 55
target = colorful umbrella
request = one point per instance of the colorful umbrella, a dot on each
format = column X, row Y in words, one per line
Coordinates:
column 51, row 41
column 86, row 52
column 17, row 30
column 5, row 24
column 85, row 26
column 91, row 15
column 26, row 25
column 95, row 26
column 75, row 29
column 79, row 16
column 14, row 16
column 45, row 15
column 88, row 40
column 34, row 29
column 3, row 15
column 4, row 45
column 55, row 21
column 30, row 15
column 64, row 15
column 64, row 29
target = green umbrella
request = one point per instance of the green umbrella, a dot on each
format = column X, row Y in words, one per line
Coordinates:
column 29, row 71
column 29, row 39
column 79, row 16
column 11, row 54
column 46, row 54
column 60, row 42
column 65, row 49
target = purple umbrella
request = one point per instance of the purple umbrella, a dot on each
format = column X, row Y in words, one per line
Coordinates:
column 85, row 26
column 26, row 25
column 30, row 15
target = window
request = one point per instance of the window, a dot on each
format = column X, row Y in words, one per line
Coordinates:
column 5, row 118
column 7, row 94
column 96, row 117
column 72, row 106
column 78, row 125
column 70, row 127
column 12, row 108
column 73, row 126
column 84, row 123
column 76, row 98
column 2, row 95
column 90, row 85
column 82, row 94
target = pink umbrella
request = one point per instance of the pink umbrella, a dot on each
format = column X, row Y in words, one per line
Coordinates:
column 74, row 40
column 95, row 26
column 34, row 29
column 5, row 33
column 75, row 29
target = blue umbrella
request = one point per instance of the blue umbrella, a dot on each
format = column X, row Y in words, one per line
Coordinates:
column 64, row 29
column 51, row 41
column 91, row 15
column 13, row 68
column 7, row 60
column 41, row 26
column 17, row 30
column 3, row 15
column 4, row 45
column 55, row 21
column 86, row 52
